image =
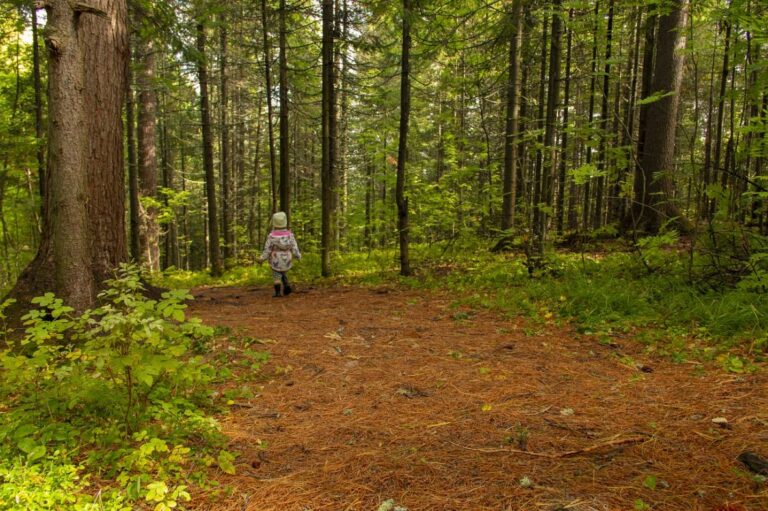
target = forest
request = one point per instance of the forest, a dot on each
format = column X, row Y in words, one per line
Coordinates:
column 533, row 254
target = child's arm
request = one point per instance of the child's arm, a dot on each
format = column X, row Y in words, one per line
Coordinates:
column 295, row 247
column 267, row 250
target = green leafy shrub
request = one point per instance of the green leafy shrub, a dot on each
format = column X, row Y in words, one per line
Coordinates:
column 114, row 391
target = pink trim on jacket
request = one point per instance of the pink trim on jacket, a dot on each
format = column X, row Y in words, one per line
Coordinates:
column 281, row 233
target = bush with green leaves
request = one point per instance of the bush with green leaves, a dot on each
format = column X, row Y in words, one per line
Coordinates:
column 115, row 391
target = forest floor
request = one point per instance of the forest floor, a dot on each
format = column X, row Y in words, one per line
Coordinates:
column 379, row 394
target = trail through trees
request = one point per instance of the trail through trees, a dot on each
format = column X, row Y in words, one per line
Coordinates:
column 377, row 394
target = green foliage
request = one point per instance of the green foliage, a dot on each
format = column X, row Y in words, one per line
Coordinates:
column 115, row 390
column 52, row 485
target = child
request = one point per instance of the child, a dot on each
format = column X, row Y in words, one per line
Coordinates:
column 280, row 248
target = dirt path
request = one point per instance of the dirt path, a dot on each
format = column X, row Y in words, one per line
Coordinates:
column 377, row 395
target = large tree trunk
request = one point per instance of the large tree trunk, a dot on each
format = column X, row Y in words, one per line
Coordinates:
column 149, row 229
column 83, row 234
column 402, row 153
column 655, row 205
column 328, row 171
column 285, row 183
column 509, row 197
column 210, row 178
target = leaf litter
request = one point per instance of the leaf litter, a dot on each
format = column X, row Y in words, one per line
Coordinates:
column 441, row 440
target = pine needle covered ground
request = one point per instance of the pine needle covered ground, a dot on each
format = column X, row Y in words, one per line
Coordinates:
column 375, row 398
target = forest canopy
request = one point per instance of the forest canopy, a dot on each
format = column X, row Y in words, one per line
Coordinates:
column 527, row 123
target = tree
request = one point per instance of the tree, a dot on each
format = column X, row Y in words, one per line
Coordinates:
column 543, row 183
column 402, row 151
column 210, row 178
column 604, row 114
column 39, row 131
column 327, row 175
column 268, row 95
column 148, row 228
column 654, row 204
column 562, row 163
column 83, row 238
column 227, row 196
column 133, row 165
column 512, row 120
column 285, row 183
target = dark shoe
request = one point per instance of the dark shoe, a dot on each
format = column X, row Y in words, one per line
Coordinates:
column 277, row 291
column 286, row 286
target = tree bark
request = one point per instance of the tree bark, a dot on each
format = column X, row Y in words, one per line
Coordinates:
column 39, row 130
column 619, row 203
column 402, row 153
column 149, row 230
column 327, row 172
column 83, row 233
column 640, row 191
column 171, row 240
column 133, row 166
column 562, row 176
column 268, row 86
column 585, row 214
column 718, row 171
column 655, row 205
column 210, row 178
column 536, row 196
column 285, row 188
column 542, row 208
column 226, row 164
column 509, row 196
column 603, row 149
column 342, row 24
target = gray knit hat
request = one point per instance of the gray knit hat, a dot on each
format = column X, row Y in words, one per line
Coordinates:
column 279, row 220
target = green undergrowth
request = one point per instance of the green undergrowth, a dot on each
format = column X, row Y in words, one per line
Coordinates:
column 654, row 293
column 112, row 409
column 609, row 296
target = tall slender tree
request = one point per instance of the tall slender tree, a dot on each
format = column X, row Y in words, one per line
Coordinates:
column 149, row 229
column 270, row 117
column 328, row 163
column 602, row 163
column 227, row 197
column 210, row 177
column 511, row 133
column 402, row 152
column 285, row 174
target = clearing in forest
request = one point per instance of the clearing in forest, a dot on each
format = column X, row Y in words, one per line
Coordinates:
column 384, row 398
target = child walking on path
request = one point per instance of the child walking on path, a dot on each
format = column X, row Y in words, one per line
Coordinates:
column 280, row 248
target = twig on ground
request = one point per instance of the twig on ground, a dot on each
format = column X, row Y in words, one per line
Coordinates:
column 614, row 442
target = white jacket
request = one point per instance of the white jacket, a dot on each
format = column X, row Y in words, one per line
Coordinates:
column 280, row 248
